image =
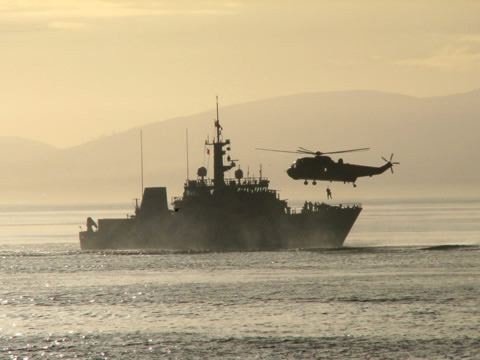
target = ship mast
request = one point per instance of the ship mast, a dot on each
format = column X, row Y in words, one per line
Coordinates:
column 217, row 125
column 219, row 168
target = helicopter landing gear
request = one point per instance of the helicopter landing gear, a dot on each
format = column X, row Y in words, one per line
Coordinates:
column 305, row 182
column 314, row 182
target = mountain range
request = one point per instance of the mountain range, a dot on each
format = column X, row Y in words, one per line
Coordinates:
column 435, row 139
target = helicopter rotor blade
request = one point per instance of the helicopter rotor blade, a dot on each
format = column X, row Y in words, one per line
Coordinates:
column 301, row 148
column 277, row 150
column 384, row 159
column 345, row 151
column 306, row 152
column 391, row 157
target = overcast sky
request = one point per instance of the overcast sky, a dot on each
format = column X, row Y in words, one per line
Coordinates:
column 71, row 71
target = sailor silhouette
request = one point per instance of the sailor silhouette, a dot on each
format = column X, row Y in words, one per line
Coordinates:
column 329, row 193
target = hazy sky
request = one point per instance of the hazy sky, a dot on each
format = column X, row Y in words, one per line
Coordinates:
column 71, row 71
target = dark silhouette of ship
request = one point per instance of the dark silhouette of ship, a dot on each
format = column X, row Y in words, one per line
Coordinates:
column 221, row 214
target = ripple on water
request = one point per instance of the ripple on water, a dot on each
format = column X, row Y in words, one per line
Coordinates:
column 349, row 303
column 187, row 345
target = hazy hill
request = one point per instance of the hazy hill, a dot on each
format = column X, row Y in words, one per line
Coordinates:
column 435, row 139
column 15, row 149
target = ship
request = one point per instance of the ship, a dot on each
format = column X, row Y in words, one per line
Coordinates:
column 222, row 214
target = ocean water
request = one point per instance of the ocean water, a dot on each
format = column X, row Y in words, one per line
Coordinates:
column 406, row 286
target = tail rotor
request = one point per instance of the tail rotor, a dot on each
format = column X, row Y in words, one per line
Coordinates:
column 390, row 162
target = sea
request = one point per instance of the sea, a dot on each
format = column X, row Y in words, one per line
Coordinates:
column 405, row 286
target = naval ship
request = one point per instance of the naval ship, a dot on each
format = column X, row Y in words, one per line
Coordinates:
column 222, row 214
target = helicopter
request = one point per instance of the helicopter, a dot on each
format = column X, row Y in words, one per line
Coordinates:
column 323, row 168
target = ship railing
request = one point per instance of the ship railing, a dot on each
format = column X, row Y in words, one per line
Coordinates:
column 317, row 207
column 231, row 182
column 250, row 181
column 348, row 204
column 199, row 183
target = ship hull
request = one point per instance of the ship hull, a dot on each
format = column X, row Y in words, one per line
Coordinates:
column 224, row 231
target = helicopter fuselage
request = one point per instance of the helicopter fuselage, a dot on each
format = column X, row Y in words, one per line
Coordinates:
column 323, row 168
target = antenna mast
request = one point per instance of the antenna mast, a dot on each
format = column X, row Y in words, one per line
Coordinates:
column 186, row 141
column 141, row 160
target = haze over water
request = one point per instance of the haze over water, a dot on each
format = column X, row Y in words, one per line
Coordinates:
column 392, row 293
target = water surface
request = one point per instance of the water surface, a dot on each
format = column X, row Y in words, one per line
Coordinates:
column 399, row 290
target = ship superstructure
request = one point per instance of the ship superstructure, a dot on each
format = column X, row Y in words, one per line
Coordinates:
column 222, row 214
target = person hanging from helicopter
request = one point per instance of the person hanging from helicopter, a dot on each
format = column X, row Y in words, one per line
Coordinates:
column 329, row 193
